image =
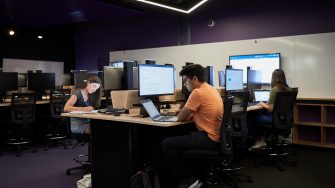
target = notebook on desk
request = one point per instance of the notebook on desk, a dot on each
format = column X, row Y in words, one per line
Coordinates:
column 150, row 108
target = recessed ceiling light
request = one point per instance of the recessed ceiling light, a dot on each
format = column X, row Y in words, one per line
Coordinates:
column 173, row 8
column 11, row 32
column 40, row 37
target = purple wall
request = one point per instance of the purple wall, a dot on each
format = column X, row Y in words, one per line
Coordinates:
column 233, row 21
column 95, row 40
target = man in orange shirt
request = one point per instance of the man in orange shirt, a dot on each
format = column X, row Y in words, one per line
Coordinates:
column 205, row 106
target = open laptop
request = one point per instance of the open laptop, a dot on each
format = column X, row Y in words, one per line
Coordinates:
column 149, row 106
column 261, row 95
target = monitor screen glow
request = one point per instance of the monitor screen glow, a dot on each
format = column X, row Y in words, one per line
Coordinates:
column 234, row 79
column 156, row 80
column 266, row 63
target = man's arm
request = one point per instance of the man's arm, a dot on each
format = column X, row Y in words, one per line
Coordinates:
column 184, row 114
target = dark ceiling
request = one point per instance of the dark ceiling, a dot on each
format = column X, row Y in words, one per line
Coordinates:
column 51, row 12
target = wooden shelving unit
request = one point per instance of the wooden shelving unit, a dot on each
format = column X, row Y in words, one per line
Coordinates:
column 314, row 122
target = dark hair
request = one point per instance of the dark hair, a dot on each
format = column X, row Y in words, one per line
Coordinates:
column 193, row 70
column 278, row 79
column 94, row 98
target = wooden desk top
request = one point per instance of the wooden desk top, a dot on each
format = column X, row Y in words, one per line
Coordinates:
column 37, row 102
column 125, row 118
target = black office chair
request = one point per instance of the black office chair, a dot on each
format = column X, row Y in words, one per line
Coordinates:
column 56, row 133
column 22, row 115
column 83, row 160
column 238, row 119
column 282, row 122
column 220, row 160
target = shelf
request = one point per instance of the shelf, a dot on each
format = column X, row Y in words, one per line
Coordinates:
column 329, row 125
column 314, row 123
column 308, row 143
column 308, row 124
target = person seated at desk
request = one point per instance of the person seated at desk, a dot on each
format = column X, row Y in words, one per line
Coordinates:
column 258, row 120
column 205, row 106
column 85, row 99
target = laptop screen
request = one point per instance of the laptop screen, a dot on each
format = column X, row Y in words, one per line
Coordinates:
column 149, row 106
column 262, row 95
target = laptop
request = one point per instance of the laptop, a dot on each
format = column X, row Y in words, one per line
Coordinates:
column 149, row 106
column 261, row 95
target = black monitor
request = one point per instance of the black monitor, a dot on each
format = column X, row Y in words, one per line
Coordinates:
column 155, row 80
column 234, row 79
column 41, row 81
column 80, row 78
column 266, row 63
column 8, row 81
column 254, row 79
column 113, row 78
column 22, row 79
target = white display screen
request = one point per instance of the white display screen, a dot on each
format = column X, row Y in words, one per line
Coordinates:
column 234, row 79
column 155, row 80
column 266, row 63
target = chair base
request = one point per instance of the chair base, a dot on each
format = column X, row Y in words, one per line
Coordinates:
column 277, row 156
column 55, row 139
column 85, row 164
column 228, row 175
column 18, row 144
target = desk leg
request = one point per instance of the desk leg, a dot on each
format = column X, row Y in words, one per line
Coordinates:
column 112, row 153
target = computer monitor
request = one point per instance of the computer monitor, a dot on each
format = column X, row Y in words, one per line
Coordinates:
column 21, row 80
column 80, row 78
column 41, row 81
column 8, row 81
column 254, row 80
column 221, row 74
column 113, row 78
column 66, row 79
column 234, row 79
column 266, row 63
column 155, row 80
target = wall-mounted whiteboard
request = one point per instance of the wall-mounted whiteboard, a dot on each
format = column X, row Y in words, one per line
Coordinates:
column 23, row 65
column 308, row 60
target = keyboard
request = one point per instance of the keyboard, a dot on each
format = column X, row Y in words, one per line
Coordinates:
column 167, row 118
column 110, row 110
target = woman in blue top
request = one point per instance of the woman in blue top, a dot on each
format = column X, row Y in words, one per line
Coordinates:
column 85, row 99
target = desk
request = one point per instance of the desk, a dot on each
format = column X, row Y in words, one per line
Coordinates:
column 37, row 102
column 114, row 148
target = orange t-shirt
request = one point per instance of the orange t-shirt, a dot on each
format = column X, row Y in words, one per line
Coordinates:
column 207, row 107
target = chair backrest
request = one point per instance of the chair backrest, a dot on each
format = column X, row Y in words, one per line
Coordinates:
column 58, row 98
column 23, row 108
column 225, row 132
column 238, row 120
column 282, row 114
column 240, row 100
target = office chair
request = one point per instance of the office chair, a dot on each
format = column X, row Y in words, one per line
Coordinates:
column 282, row 122
column 238, row 118
column 57, row 101
column 84, row 160
column 22, row 115
column 220, row 160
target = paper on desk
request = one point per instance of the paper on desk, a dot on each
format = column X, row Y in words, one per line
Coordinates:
column 82, row 112
column 77, row 112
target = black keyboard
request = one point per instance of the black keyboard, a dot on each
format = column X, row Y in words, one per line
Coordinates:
column 110, row 110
